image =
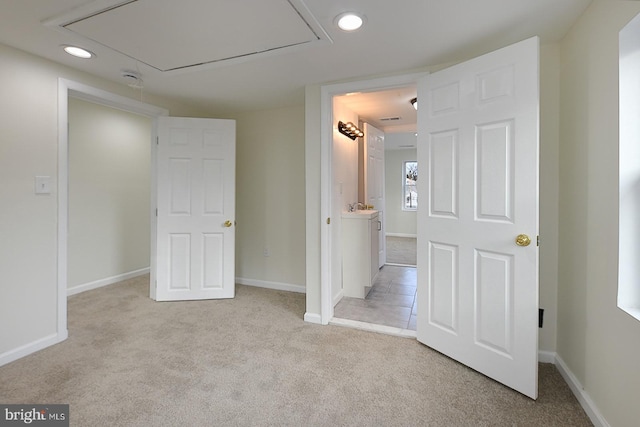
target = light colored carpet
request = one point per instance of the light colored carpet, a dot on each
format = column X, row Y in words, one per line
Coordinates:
column 401, row 250
column 252, row 361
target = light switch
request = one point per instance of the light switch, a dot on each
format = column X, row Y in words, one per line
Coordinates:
column 43, row 185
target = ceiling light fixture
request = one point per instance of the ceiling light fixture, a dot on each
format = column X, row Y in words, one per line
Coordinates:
column 78, row 52
column 414, row 102
column 349, row 21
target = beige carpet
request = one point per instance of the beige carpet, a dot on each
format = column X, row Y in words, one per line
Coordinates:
column 401, row 250
column 252, row 361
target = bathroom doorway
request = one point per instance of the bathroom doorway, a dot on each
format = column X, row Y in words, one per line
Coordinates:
column 389, row 304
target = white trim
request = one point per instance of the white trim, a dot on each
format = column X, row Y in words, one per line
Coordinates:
column 271, row 285
column 313, row 318
column 106, row 282
column 415, row 236
column 338, row 297
column 27, row 349
column 327, row 92
column 371, row 327
column 67, row 88
column 395, row 264
column 583, row 397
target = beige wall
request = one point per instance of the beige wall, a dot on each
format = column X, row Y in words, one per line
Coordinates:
column 312, row 168
column 549, row 189
column 109, row 192
column 598, row 342
column 270, row 196
column 398, row 221
column 28, row 222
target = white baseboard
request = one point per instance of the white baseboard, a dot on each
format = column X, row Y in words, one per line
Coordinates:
column 271, row 285
column 415, row 236
column 105, row 282
column 338, row 297
column 583, row 397
column 313, row 318
column 27, row 349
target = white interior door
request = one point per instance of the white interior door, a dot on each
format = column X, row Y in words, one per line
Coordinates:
column 374, row 182
column 195, row 238
column 478, row 157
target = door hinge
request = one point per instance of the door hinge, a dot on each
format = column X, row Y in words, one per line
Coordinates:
column 156, row 211
column 157, row 140
column 537, row 240
column 328, row 220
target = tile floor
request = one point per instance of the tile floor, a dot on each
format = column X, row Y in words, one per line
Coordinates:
column 391, row 301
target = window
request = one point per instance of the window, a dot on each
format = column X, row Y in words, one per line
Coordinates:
column 409, row 186
column 629, row 169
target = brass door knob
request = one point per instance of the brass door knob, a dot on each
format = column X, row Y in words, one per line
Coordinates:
column 228, row 223
column 523, row 240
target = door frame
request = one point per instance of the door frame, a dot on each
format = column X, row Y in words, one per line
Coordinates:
column 66, row 89
column 327, row 92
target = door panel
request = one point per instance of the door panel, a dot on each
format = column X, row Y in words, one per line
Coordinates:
column 196, row 209
column 443, row 166
column 374, row 182
column 477, row 289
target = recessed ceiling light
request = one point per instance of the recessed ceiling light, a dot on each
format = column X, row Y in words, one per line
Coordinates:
column 79, row 52
column 349, row 21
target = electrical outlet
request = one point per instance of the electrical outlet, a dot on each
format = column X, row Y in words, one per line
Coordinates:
column 265, row 252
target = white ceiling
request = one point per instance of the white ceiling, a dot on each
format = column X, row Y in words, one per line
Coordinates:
column 265, row 58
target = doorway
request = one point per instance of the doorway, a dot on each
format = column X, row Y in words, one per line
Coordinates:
column 109, row 192
column 391, row 300
column 66, row 89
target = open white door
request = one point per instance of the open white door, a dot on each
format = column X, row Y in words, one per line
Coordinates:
column 374, row 182
column 195, row 234
column 478, row 159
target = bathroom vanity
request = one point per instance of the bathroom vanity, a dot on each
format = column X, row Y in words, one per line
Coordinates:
column 359, row 251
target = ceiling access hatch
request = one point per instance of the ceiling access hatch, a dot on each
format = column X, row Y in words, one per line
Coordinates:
column 219, row 32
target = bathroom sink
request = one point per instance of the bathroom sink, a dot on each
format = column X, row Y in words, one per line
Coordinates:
column 365, row 213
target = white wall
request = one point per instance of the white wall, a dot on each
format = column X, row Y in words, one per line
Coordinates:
column 109, row 192
column 28, row 223
column 270, row 198
column 345, row 170
column 598, row 342
column 398, row 221
column 344, row 161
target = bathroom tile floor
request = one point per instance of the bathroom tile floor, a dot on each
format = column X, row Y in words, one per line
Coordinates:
column 391, row 301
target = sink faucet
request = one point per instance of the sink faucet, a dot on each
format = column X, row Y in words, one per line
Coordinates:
column 355, row 206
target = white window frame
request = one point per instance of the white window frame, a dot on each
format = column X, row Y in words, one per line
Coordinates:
column 404, row 187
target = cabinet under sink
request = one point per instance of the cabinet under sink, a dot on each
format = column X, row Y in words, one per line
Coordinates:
column 359, row 251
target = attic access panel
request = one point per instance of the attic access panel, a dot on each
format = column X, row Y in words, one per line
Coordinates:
column 169, row 35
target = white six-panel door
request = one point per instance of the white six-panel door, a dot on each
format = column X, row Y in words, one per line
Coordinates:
column 478, row 158
column 374, row 182
column 195, row 239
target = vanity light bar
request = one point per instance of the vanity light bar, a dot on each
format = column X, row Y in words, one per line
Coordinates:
column 350, row 130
